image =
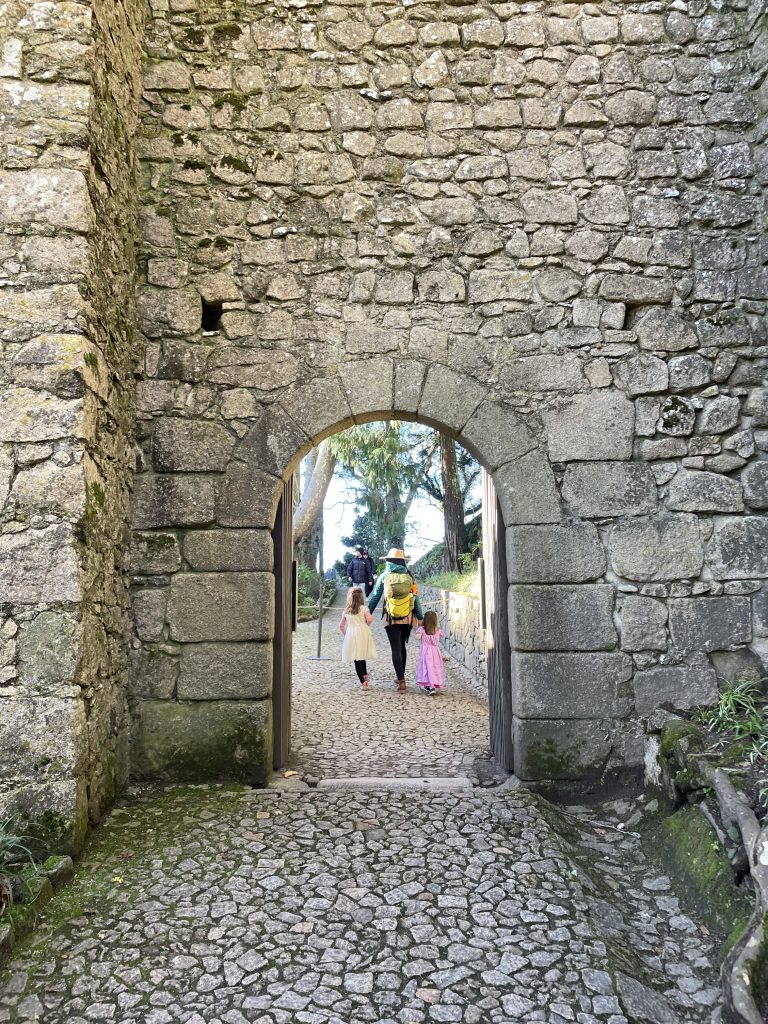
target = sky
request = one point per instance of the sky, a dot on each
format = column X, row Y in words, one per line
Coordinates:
column 425, row 524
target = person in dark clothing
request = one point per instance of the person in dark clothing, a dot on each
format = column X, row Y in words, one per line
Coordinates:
column 402, row 609
column 371, row 573
column 358, row 570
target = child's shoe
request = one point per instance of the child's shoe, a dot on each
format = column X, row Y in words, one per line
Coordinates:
column 364, row 682
column 429, row 690
column 401, row 685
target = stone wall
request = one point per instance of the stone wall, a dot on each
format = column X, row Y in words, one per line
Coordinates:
column 459, row 616
column 69, row 84
column 538, row 227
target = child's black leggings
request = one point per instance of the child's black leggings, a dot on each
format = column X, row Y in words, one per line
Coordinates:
column 361, row 670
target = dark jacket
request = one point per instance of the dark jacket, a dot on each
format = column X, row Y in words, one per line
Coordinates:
column 378, row 590
column 359, row 571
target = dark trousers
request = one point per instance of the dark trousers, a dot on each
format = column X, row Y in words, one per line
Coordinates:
column 397, row 635
column 361, row 670
column 369, row 588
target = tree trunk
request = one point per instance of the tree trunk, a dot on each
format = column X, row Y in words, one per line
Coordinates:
column 453, row 505
column 314, row 492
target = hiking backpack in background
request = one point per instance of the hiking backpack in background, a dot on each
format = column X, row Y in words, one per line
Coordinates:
column 398, row 591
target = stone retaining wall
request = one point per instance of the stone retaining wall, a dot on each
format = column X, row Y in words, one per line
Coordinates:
column 459, row 616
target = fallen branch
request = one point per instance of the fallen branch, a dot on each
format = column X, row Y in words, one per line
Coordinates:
column 741, row 962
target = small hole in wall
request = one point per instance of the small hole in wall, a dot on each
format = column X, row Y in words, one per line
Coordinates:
column 211, row 315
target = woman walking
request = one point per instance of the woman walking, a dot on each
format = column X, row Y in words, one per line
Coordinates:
column 402, row 609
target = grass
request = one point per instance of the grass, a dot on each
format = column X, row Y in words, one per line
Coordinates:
column 459, row 583
column 15, row 857
column 741, row 712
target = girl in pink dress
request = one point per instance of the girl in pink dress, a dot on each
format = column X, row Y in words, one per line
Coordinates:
column 430, row 673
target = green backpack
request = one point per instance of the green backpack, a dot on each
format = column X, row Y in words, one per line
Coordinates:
column 398, row 591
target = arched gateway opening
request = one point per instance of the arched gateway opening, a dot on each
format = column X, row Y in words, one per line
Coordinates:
column 205, row 698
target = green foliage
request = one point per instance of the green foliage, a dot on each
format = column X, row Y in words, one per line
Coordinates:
column 15, row 855
column 739, row 711
column 431, row 564
column 309, row 590
column 460, row 583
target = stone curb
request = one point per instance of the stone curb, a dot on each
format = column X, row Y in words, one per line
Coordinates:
column 370, row 784
column 21, row 919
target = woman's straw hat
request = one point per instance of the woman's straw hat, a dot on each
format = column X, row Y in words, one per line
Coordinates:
column 396, row 553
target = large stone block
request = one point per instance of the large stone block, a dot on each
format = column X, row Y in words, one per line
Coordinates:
column 321, row 407
column 190, row 446
column 27, row 415
column 149, row 605
column 39, row 566
column 228, row 550
column 643, row 624
column 154, row 554
column 203, row 741
column 562, row 749
column 547, row 372
column 225, row 671
column 221, row 606
column 755, row 482
column 661, row 547
column 248, row 367
column 571, row 553
column 49, row 488
column 549, row 207
column 153, row 674
column 247, row 497
column 738, row 549
column 449, row 399
column 48, row 654
column 527, row 491
column 678, row 686
column 368, row 385
column 562, row 618
column 692, row 491
column 162, row 311
column 610, row 489
column 591, row 427
column 571, row 685
column 55, row 197
column 499, row 285
column 274, row 443
column 709, row 623
column 173, row 499
column 495, row 434
column 42, row 739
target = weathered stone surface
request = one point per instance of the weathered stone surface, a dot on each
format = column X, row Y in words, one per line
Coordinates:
column 449, row 399
column 55, row 196
column 635, row 290
column 27, row 416
column 571, row 553
column 321, row 405
column 252, row 368
column 247, row 497
column 549, row 207
column 643, row 624
column 527, row 491
column 610, row 489
column 190, row 446
column 677, row 417
column 719, row 415
column 590, row 427
column 54, row 739
column 576, row 685
column 49, row 488
column 153, row 674
column 154, row 554
column 692, row 491
column 496, row 435
column 48, row 654
column 562, row 618
column 221, row 606
column 225, row 671
column 172, row 499
column 499, row 285
column 754, row 480
column 709, row 623
column 738, row 549
column 162, row 311
column 39, row 566
column 368, row 385
column 200, row 741
column 642, row 374
column 688, row 372
column 545, row 373
column 660, row 547
column 149, row 606
column 664, row 330
column 561, row 749
column 679, row 687
column 228, row 550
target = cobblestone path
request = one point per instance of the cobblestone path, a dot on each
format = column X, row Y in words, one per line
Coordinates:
column 341, row 730
column 220, row 906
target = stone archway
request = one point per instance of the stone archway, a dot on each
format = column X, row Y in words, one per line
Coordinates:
column 571, row 700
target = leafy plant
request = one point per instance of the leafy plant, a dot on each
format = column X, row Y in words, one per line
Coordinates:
column 759, row 751
column 739, row 711
column 14, row 856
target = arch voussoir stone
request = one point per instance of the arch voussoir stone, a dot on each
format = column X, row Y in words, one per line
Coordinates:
column 448, row 398
column 495, row 434
column 321, row 407
column 368, row 385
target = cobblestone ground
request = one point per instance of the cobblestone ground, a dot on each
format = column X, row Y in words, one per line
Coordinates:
column 341, row 730
column 219, row 906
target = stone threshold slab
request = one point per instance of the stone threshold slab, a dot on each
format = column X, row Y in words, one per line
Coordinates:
column 373, row 783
